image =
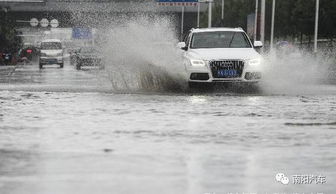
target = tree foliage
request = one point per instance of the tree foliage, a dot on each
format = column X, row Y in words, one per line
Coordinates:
column 293, row 18
column 8, row 35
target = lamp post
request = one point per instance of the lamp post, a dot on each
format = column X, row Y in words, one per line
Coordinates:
column 262, row 21
column 210, row 13
column 272, row 25
column 256, row 20
column 182, row 22
column 198, row 14
column 222, row 9
column 316, row 24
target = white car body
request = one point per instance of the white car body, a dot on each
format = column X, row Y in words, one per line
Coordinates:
column 216, row 64
column 51, row 56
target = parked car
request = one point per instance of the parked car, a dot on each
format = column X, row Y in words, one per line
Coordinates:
column 7, row 57
column 51, row 52
column 88, row 56
column 73, row 55
column 221, row 55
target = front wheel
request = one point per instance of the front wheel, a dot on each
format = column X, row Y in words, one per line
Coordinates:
column 78, row 66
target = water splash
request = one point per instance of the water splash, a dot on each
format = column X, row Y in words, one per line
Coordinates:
column 141, row 54
column 296, row 72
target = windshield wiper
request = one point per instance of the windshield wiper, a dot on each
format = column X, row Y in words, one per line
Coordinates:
column 232, row 39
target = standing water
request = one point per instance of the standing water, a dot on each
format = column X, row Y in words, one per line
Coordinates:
column 66, row 131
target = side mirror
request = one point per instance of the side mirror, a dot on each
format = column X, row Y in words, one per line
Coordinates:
column 182, row 45
column 258, row 44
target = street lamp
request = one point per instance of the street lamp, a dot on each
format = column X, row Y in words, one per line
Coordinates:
column 222, row 9
column 316, row 24
column 272, row 25
column 262, row 21
column 209, row 12
column 256, row 20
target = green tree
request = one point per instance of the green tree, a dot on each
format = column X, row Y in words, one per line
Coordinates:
column 8, row 35
column 327, row 19
column 235, row 13
column 293, row 18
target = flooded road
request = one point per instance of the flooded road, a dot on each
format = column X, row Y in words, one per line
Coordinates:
column 65, row 131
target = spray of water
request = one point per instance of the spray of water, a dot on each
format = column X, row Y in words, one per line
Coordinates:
column 141, row 54
column 295, row 72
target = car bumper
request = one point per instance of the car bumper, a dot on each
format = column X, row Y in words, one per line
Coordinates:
column 204, row 74
column 51, row 60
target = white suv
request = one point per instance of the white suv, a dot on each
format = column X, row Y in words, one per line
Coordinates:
column 51, row 52
column 221, row 55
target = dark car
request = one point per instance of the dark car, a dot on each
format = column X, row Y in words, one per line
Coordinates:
column 6, row 57
column 88, row 56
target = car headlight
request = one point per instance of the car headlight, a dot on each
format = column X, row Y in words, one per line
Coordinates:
column 197, row 63
column 254, row 62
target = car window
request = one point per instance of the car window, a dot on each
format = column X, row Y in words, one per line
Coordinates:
column 220, row 39
column 87, row 50
column 51, row 45
column 240, row 41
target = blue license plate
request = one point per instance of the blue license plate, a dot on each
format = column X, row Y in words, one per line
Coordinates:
column 227, row 73
column 52, row 61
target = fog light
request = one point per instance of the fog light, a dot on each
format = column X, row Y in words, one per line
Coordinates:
column 199, row 76
column 252, row 75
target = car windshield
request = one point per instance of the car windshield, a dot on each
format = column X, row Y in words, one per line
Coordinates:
column 88, row 50
column 51, row 45
column 220, row 39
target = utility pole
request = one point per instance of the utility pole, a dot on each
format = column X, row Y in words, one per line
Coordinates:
column 222, row 9
column 182, row 22
column 210, row 13
column 316, row 24
column 198, row 14
column 262, row 22
column 272, row 25
column 256, row 21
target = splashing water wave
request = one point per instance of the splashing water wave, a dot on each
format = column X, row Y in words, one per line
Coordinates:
column 141, row 54
column 297, row 72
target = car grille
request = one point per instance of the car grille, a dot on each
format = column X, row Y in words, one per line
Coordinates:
column 227, row 68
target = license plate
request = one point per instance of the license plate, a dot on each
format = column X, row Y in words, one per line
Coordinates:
column 52, row 61
column 227, row 73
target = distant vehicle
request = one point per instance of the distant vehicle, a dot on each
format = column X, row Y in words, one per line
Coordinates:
column 287, row 50
column 221, row 55
column 27, row 53
column 51, row 52
column 73, row 55
column 88, row 56
column 7, row 58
